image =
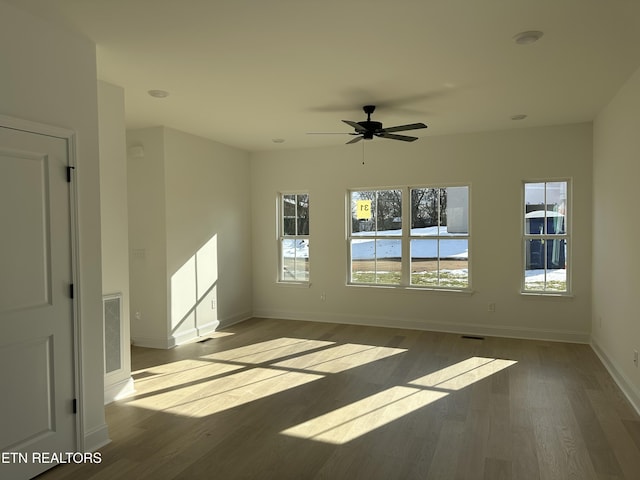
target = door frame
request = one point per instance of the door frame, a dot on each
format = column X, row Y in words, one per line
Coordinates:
column 70, row 137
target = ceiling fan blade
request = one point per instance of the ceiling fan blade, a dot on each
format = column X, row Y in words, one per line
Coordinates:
column 400, row 128
column 392, row 136
column 357, row 126
column 355, row 140
column 331, row 133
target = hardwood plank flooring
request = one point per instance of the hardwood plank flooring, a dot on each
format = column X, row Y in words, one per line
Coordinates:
column 274, row 399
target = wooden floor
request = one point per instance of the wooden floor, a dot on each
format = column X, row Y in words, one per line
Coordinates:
column 270, row 399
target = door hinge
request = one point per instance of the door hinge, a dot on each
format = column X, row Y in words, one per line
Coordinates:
column 71, row 290
column 74, row 405
column 69, row 170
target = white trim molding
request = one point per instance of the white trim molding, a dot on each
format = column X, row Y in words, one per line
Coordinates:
column 628, row 389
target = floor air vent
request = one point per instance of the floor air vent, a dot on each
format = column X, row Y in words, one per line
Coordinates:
column 472, row 337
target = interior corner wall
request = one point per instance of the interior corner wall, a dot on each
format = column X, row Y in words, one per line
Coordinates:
column 494, row 164
column 49, row 76
column 190, row 235
column 208, row 224
column 147, row 237
column 616, row 230
column 114, row 224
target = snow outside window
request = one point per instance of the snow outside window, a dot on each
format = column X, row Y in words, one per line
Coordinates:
column 294, row 238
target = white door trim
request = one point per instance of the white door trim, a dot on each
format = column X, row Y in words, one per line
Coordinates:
column 70, row 137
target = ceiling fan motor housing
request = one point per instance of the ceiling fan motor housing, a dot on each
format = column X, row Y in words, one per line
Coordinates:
column 371, row 127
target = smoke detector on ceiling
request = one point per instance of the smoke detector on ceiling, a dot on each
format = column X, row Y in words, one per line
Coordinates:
column 528, row 37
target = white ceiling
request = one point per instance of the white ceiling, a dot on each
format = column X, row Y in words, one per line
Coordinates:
column 243, row 72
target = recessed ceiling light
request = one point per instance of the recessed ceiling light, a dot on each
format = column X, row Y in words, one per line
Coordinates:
column 277, row 140
column 158, row 93
column 518, row 117
column 528, row 37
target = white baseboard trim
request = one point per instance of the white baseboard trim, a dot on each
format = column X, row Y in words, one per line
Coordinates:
column 149, row 342
column 629, row 390
column 207, row 328
column 118, row 390
column 445, row 327
column 183, row 337
column 227, row 322
column 96, row 438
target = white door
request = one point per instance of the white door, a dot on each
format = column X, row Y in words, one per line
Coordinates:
column 36, row 309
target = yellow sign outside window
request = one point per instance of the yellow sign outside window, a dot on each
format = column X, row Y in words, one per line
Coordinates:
column 363, row 209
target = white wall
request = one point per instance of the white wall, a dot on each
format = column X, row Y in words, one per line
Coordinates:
column 190, row 224
column 147, row 238
column 494, row 164
column 114, row 223
column 49, row 76
column 208, row 233
column 616, row 232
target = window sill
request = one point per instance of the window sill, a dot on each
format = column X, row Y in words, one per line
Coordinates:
column 548, row 296
column 294, row 284
column 413, row 290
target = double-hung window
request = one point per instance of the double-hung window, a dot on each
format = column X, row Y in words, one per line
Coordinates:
column 424, row 246
column 294, row 237
column 546, row 237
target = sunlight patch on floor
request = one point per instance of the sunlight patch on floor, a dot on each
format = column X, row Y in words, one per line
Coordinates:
column 354, row 420
column 269, row 350
column 208, row 398
column 359, row 418
column 340, row 358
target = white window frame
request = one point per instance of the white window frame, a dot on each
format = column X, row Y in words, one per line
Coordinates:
column 282, row 277
column 375, row 236
column 567, row 236
column 405, row 237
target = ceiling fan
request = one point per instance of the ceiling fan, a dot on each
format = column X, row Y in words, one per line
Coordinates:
column 368, row 128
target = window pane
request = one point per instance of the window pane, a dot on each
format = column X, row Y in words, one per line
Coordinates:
column 534, row 204
column 424, row 211
column 376, row 261
column 303, row 214
column 454, row 263
column 424, row 262
column 454, row 201
column 556, row 207
column 289, row 214
column 295, row 260
column 389, row 212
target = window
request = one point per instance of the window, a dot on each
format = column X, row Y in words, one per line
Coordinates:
column 426, row 245
column 546, row 237
column 294, row 238
column 440, row 237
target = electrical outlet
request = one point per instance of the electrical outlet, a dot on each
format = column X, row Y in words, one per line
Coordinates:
column 323, row 297
column 635, row 358
column 491, row 307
